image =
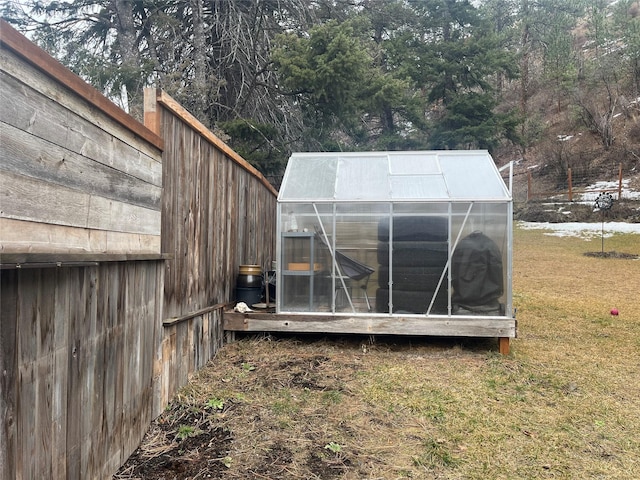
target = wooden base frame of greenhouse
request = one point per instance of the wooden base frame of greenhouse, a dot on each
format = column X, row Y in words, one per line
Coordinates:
column 489, row 327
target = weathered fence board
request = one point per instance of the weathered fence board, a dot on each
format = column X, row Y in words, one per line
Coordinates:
column 87, row 102
column 22, row 108
column 8, row 380
column 24, row 154
column 25, row 198
column 374, row 325
column 36, row 237
column 216, row 213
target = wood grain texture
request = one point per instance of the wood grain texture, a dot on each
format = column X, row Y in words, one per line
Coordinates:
column 9, row 378
column 217, row 212
column 449, row 327
column 33, row 200
column 72, row 127
column 195, row 125
column 30, row 156
column 503, row 345
column 216, row 215
column 78, row 355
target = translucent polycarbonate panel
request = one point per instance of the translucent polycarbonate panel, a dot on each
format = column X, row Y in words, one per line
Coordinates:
column 472, row 177
column 327, row 258
column 361, row 208
column 491, row 222
column 413, row 164
column 412, row 253
column 421, row 208
column 302, row 284
column 423, row 187
column 389, row 258
column 375, row 233
column 309, row 177
column 299, row 217
column 355, row 245
column 488, row 218
column 348, row 239
column 363, row 178
column 386, row 176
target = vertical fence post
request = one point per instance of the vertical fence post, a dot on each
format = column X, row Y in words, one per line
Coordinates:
column 619, row 181
column 570, row 184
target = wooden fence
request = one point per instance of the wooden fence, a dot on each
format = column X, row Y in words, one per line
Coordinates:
column 571, row 191
column 218, row 213
column 78, row 350
column 119, row 246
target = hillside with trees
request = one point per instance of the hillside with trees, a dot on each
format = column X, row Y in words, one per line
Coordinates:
column 551, row 84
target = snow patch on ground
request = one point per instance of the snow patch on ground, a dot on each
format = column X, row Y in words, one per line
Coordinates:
column 595, row 189
column 564, row 138
column 587, row 231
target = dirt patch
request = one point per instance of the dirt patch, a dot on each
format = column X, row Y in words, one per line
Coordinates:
column 304, row 407
column 326, row 465
column 183, row 443
column 618, row 255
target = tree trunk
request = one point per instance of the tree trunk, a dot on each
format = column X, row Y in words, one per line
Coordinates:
column 127, row 49
column 524, row 70
column 199, row 61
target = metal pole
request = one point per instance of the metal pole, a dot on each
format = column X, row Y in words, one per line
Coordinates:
column 602, row 231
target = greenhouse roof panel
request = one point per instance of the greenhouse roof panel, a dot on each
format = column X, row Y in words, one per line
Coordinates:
column 308, row 177
column 414, row 163
column 362, row 178
column 392, row 176
column 418, row 187
column 470, row 176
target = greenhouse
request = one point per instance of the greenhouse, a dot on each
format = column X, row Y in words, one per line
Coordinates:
column 425, row 233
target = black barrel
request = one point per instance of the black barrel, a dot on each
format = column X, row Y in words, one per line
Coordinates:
column 249, row 284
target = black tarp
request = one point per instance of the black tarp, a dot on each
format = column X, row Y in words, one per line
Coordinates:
column 476, row 271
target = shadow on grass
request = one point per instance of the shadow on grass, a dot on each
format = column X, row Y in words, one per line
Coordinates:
column 613, row 254
column 394, row 343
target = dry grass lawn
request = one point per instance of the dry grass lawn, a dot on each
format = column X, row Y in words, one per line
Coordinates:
column 564, row 404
